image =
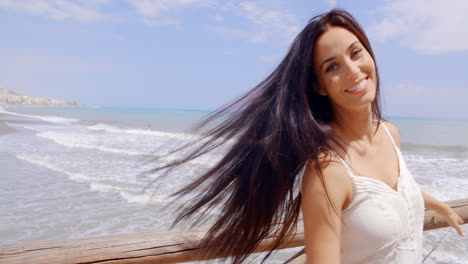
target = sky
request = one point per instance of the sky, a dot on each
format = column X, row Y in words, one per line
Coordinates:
column 202, row 54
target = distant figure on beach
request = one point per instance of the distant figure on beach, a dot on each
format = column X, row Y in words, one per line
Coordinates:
column 311, row 138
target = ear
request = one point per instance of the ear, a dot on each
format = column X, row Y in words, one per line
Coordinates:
column 318, row 88
column 322, row 92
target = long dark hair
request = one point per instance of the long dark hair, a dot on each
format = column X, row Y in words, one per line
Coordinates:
column 277, row 127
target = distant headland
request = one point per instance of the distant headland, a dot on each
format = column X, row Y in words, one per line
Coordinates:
column 10, row 98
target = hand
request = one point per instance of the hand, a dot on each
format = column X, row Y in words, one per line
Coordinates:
column 453, row 219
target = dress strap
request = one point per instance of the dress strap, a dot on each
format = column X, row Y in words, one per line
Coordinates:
column 348, row 169
column 300, row 176
column 389, row 135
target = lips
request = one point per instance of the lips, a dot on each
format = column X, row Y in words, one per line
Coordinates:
column 358, row 87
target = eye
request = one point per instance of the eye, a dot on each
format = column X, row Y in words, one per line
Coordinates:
column 331, row 67
column 355, row 52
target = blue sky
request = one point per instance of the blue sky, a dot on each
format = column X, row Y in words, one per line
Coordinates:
column 201, row 54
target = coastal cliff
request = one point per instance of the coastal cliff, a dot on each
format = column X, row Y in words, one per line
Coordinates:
column 10, row 98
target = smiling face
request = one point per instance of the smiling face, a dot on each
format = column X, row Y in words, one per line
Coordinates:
column 345, row 70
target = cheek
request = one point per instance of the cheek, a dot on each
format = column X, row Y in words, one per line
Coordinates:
column 333, row 83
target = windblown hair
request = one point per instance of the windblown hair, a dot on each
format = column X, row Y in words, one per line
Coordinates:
column 278, row 127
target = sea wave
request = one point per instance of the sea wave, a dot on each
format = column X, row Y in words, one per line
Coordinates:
column 453, row 148
column 184, row 137
column 79, row 177
column 120, row 145
column 146, row 132
column 131, row 196
column 436, row 162
column 50, row 119
column 70, row 141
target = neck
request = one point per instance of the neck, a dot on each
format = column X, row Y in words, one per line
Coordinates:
column 354, row 126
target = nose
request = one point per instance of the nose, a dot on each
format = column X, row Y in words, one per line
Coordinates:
column 353, row 69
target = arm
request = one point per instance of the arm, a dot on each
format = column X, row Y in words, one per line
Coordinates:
column 431, row 203
column 322, row 225
column 453, row 219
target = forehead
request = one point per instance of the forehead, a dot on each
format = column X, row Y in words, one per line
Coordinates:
column 333, row 42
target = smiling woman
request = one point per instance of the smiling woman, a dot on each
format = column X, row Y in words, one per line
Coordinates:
column 350, row 66
column 311, row 137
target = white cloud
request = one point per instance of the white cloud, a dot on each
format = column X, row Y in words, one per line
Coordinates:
column 30, row 61
column 331, row 3
column 5, row 3
column 269, row 22
column 231, row 32
column 53, row 73
column 80, row 10
column 270, row 59
column 265, row 23
column 415, row 100
column 154, row 8
column 161, row 21
column 219, row 17
column 436, row 26
column 155, row 12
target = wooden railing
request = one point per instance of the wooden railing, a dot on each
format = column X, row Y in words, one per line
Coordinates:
column 171, row 246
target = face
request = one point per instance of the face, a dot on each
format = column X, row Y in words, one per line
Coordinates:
column 345, row 70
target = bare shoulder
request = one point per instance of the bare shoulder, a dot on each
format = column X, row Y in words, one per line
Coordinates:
column 394, row 131
column 336, row 181
column 322, row 224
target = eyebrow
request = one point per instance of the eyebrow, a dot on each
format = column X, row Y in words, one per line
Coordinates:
column 332, row 58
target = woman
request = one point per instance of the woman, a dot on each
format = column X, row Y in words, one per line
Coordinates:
column 379, row 214
column 315, row 120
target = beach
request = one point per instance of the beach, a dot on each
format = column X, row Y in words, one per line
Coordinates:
column 77, row 172
column 4, row 129
column 11, row 119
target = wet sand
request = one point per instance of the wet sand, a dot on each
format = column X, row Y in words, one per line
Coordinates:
column 4, row 129
column 6, row 118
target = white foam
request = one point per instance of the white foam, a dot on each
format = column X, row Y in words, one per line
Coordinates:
column 71, row 142
column 43, row 163
column 50, row 119
column 103, row 187
column 442, row 177
column 436, row 163
column 132, row 197
column 146, row 132
column 139, row 197
column 186, row 137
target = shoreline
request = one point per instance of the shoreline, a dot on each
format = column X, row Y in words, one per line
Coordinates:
column 5, row 128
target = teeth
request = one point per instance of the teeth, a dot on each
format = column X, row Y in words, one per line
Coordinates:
column 358, row 86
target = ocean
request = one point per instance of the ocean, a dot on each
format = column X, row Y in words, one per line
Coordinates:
column 76, row 172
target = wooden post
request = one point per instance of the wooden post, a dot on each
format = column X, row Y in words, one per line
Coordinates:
column 171, row 246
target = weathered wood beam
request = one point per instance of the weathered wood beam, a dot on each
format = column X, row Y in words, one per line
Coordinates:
column 433, row 221
column 171, row 246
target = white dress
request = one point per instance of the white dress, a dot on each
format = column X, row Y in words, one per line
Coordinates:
column 382, row 225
